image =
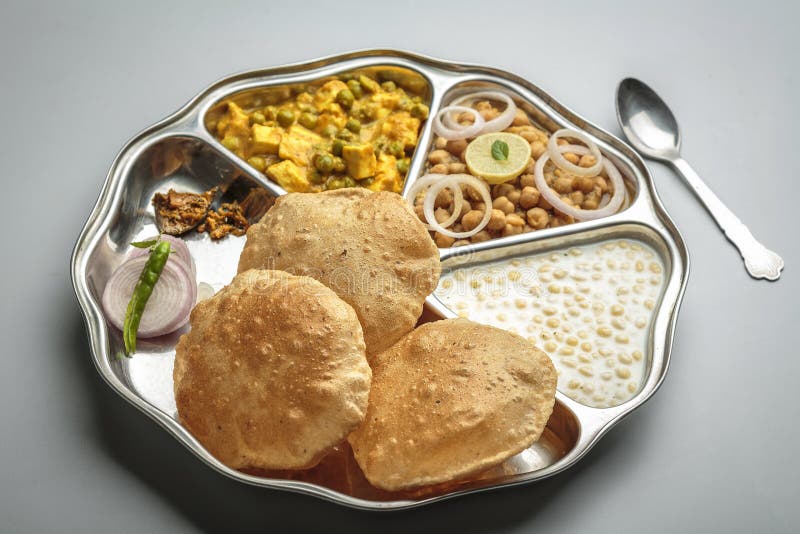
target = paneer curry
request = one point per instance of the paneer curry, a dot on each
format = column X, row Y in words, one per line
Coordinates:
column 345, row 132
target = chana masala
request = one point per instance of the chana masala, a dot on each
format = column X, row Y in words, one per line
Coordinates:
column 551, row 179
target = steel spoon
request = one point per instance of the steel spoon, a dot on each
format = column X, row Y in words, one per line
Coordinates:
column 652, row 129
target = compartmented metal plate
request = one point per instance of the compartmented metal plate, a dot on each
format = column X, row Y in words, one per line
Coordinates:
column 181, row 153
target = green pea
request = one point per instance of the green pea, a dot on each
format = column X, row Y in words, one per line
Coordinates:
column 308, row 120
column 345, row 98
column 324, row 163
column 337, row 147
column 339, row 165
column 389, row 86
column 355, row 88
column 395, row 149
column 402, row 166
column 349, row 182
column 258, row 118
column 419, row 111
column 371, row 111
column 285, row 118
column 315, row 177
column 329, row 130
column 353, row 125
column 335, row 183
column 359, row 113
column 368, row 84
column 345, row 134
column 366, row 182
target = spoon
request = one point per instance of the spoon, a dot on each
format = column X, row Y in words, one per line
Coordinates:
column 652, row 129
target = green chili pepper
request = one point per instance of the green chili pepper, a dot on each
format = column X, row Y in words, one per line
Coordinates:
column 159, row 255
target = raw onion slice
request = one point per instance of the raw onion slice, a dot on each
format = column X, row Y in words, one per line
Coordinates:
column 168, row 307
column 204, row 291
column 562, row 162
column 177, row 247
column 502, row 121
column 427, row 181
column 458, row 179
column 454, row 131
column 579, row 214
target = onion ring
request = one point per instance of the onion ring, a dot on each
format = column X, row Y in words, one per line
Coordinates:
column 169, row 306
column 580, row 214
column 562, row 163
column 427, row 181
column 502, row 121
column 177, row 247
column 457, row 131
column 468, row 180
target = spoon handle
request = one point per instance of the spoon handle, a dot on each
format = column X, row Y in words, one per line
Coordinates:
column 759, row 261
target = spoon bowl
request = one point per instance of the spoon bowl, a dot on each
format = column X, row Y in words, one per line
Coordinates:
column 646, row 121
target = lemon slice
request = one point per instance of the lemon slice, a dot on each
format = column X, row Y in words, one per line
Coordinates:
column 482, row 160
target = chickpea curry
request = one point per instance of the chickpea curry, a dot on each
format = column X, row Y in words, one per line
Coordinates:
column 521, row 187
column 349, row 131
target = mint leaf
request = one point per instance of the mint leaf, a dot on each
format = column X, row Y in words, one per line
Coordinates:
column 144, row 244
column 500, row 150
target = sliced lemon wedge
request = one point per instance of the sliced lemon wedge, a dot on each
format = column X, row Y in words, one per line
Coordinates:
column 497, row 157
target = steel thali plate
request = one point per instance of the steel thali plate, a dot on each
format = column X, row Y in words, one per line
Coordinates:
column 180, row 152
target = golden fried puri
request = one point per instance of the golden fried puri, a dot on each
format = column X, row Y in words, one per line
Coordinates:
column 368, row 247
column 273, row 372
column 449, row 400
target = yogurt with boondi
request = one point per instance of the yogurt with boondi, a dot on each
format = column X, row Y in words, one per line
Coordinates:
column 589, row 308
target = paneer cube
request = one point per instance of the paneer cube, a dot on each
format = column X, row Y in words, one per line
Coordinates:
column 387, row 177
column 304, row 99
column 401, row 127
column 289, row 176
column 387, row 101
column 266, row 139
column 234, row 129
column 360, row 160
column 327, row 119
column 326, row 95
column 235, row 121
column 297, row 144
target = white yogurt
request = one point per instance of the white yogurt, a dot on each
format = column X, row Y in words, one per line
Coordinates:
column 589, row 308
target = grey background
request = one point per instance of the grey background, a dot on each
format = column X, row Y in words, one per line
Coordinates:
column 713, row 451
